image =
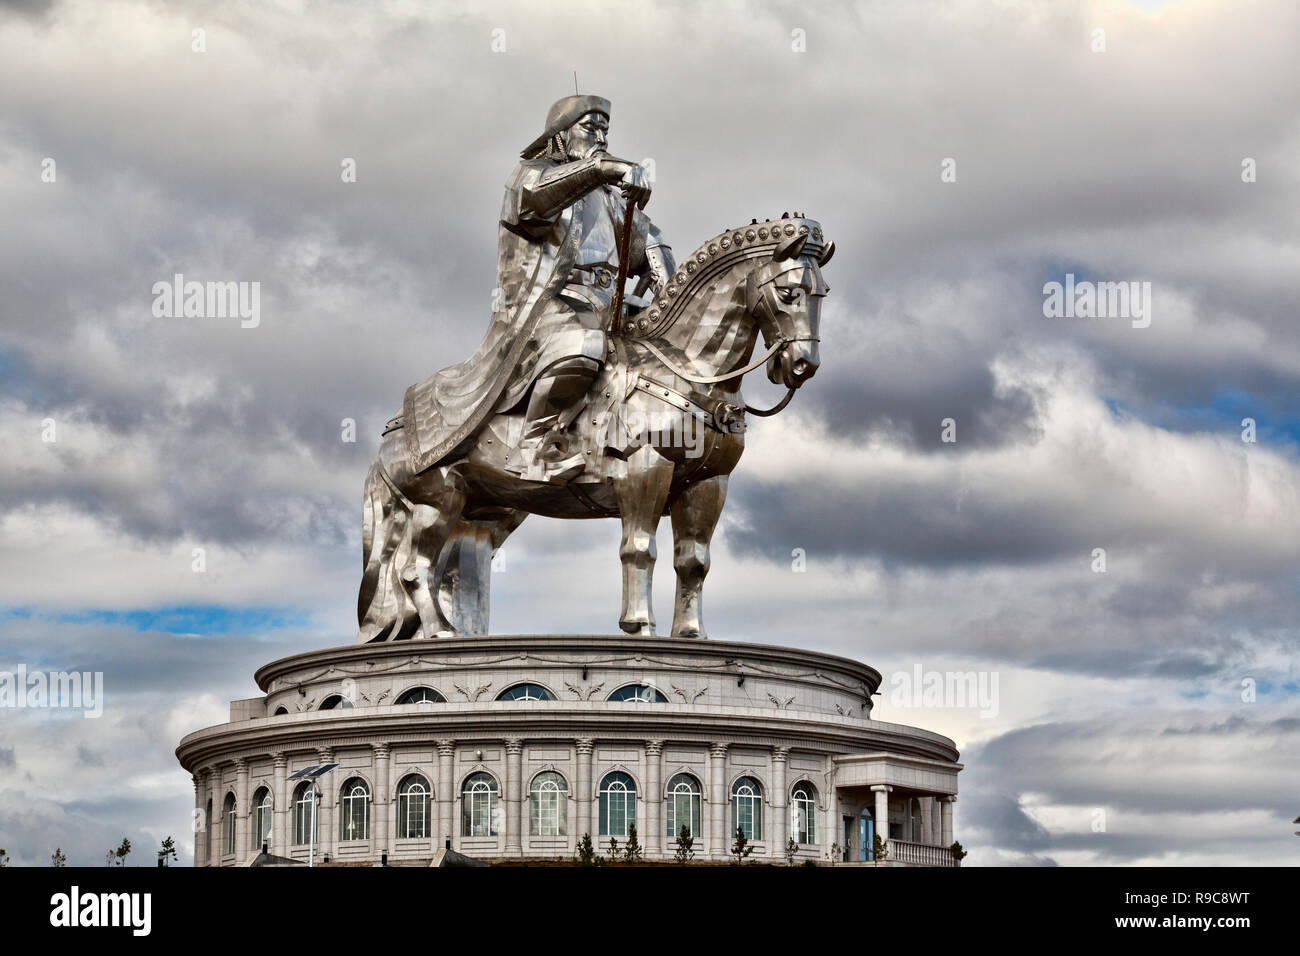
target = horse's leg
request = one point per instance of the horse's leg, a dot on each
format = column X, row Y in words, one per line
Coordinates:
column 431, row 527
column 464, row 570
column 695, row 515
column 406, row 520
column 384, row 610
column 642, row 493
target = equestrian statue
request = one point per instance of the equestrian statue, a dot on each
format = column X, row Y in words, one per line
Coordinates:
column 585, row 400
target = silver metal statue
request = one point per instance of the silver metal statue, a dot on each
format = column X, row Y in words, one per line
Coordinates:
column 584, row 401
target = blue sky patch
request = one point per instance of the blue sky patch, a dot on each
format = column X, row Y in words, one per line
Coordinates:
column 202, row 619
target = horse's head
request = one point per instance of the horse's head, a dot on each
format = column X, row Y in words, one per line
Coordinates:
column 784, row 295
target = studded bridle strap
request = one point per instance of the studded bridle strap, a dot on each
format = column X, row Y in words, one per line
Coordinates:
column 713, row 379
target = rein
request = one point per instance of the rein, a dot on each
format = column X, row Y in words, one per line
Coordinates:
column 713, row 379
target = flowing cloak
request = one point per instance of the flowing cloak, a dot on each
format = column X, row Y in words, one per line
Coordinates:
column 535, row 257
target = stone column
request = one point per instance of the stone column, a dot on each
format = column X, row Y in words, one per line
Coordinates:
column 928, row 833
column 200, row 815
column 241, row 810
column 936, row 820
column 653, row 799
column 327, row 787
column 582, row 799
column 946, row 803
column 780, row 828
column 829, row 811
column 280, row 809
column 718, row 802
column 382, row 826
column 514, row 845
column 214, row 818
column 882, row 813
column 446, row 826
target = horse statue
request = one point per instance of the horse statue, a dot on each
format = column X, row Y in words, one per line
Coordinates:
column 661, row 428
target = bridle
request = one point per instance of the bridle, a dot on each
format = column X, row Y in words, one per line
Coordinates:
column 737, row 373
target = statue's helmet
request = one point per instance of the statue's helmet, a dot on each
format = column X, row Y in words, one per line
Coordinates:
column 563, row 114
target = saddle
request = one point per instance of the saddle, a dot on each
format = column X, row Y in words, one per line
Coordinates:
column 594, row 428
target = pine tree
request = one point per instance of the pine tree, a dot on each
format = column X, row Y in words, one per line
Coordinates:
column 57, row 858
column 167, row 851
column 685, row 845
column 632, row 849
column 741, row 848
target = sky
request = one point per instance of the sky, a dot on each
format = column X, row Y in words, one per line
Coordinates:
column 961, row 155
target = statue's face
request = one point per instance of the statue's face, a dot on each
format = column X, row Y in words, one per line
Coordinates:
column 587, row 137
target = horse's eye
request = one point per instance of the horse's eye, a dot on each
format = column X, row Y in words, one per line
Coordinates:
column 788, row 295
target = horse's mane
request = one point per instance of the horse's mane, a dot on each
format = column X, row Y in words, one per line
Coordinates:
column 697, row 271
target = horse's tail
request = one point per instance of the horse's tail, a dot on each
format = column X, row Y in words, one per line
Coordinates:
column 386, row 606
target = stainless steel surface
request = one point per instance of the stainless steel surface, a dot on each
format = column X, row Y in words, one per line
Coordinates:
column 554, row 416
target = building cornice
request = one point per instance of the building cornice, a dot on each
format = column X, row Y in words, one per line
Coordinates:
column 675, row 724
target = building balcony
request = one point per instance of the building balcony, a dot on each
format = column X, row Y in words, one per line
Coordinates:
column 906, row 853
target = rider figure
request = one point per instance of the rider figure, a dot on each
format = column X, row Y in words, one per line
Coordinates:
column 568, row 187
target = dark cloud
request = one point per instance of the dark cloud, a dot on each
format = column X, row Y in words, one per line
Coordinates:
column 1003, row 815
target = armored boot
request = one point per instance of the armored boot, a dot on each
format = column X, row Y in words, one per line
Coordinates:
column 544, row 452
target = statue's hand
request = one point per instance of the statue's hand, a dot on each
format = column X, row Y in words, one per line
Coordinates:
column 630, row 178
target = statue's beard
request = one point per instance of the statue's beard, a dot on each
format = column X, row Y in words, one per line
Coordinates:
column 594, row 149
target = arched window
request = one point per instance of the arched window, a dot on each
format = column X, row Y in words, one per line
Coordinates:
column 336, row 702
column 639, row 694
column 803, row 813
column 280, row 711
column 479, row 806
column 354, row 820
column 548, row 805
column 413, row 808
column 304, row 820
column 228, row 822
column 421, row 695
column 747, row 808
column 683, row 799
column 617, row 804
column 261, row 817
column 526, row 692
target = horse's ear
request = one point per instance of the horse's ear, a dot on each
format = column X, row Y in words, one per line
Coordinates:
column 826, row 254
column 790, row 248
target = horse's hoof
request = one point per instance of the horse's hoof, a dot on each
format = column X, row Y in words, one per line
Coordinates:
column 637, row 628
column 696, row 633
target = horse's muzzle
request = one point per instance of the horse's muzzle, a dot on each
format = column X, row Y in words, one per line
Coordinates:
column 792, row 366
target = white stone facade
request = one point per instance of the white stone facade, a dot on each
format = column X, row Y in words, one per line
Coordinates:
column 758, row 720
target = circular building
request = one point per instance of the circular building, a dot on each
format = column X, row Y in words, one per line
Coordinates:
column 513, row 747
